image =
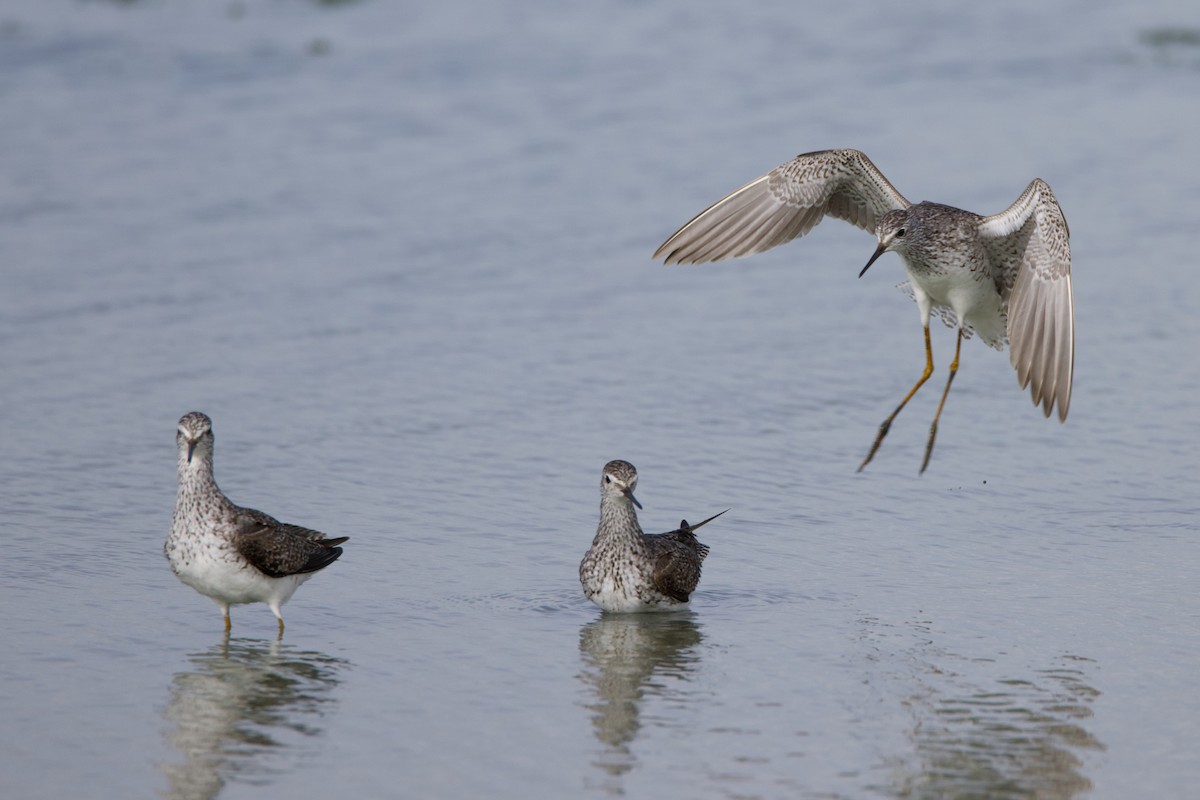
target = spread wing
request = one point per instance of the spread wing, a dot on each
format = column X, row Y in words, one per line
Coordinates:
column 278, row 549
column 784, row 204
column 1029, row 247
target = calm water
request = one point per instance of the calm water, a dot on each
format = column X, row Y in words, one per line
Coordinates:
column 400, row 253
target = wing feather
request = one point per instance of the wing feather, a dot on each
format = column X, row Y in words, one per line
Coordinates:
column 1029, row 243
column 278, row 549
column 679, row 556
column 783, row 205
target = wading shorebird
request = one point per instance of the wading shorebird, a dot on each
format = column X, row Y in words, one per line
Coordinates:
column 628, row 570
column 1006, row 277
column 231, row 554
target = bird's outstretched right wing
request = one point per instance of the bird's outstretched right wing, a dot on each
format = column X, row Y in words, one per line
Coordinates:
column 786, row 203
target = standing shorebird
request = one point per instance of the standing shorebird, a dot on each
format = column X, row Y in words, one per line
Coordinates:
column 235, row 555
column 1006, row 277
column 628, row 570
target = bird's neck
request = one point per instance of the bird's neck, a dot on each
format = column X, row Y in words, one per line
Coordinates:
column 618, row 521
column 196, row 476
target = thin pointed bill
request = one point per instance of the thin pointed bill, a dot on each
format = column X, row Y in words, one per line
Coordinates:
column 192, row 449
column 632, row 499
column 878, row 252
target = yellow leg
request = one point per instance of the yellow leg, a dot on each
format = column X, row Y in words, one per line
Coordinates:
column 887, row 423
column 228, row 625
column 280, row 625
column 946, row 391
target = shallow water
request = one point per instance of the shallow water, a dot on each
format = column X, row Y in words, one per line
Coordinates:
column 400, row 254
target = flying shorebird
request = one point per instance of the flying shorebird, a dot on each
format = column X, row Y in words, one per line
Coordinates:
column 231, row 554
column 1006, row 277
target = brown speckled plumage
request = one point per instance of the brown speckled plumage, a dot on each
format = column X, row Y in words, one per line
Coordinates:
column 1006, row 276
column 232, row 554
column 628, row 570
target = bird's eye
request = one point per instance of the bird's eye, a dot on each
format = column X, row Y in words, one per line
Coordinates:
column 608, row 479
column 900, row 233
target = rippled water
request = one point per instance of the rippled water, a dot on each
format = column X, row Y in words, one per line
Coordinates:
column 400, row 254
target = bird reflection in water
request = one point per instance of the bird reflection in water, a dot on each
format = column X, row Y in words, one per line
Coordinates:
column 1021, row 738
column 628, row 658
column 243, row 703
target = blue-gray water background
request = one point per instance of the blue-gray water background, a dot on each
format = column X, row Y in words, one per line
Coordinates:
column 400, row 252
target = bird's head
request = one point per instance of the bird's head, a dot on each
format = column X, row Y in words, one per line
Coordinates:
column 619, row 480
column 194, row 435
column 894, row 231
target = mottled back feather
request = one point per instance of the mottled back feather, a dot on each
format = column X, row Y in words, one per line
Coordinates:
column 677, row 559
column 277, row 549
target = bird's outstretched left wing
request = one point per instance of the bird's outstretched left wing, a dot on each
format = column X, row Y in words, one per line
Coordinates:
column 1034, row 276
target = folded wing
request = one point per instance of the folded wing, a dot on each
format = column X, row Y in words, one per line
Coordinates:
column 278, row 549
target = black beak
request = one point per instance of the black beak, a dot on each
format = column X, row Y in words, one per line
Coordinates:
column 191, row 449
column 878, row 252
column 632, row 499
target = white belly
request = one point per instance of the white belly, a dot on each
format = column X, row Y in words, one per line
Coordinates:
column 624, row 596
column 974, row 300
column 218, row 572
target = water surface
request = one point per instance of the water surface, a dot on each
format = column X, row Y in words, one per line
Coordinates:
column 400, row 254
